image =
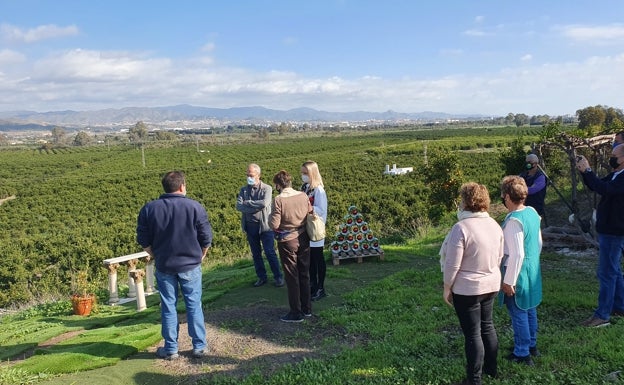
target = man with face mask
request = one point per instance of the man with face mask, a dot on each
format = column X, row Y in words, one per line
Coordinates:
column 610, row 229
column 254, row 202
column 618, row 139
column 536, row 182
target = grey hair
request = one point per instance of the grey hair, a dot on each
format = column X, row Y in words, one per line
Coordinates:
column 255, row 167
column 532, row 158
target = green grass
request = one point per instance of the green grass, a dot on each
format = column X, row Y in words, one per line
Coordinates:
column 394, row 308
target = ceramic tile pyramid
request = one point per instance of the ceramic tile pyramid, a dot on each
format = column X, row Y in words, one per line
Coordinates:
column 354, row 239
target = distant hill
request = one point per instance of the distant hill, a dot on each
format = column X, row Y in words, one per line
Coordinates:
column 184, row 112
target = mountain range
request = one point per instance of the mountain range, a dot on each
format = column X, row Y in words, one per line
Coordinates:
column 209, row 116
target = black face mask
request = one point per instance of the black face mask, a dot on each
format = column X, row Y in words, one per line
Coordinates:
column 613, row 162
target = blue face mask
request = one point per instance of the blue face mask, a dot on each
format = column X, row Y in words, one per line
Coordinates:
column 251, row 180
column 615, row 144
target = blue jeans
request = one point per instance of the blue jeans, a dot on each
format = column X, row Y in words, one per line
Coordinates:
column 190, row 283
column 524, row 325
column 609, row 273
column 259, row 241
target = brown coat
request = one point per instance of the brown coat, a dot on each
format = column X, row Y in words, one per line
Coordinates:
column 288, row 215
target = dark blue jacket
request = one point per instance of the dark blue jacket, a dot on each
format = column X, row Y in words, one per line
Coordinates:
column 537, row 190
column 610, row 210
column 177, row 228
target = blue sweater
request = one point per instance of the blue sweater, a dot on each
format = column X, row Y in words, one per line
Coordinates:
column 177, row 228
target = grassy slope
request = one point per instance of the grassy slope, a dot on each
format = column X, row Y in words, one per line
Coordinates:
column 412, row 336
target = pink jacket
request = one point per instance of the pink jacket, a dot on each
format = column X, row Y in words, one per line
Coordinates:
column 473, row 256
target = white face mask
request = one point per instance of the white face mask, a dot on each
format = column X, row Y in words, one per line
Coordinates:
column 305, row 178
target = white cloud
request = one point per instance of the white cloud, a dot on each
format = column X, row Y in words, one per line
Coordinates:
column 479, row 19
column 8, row 56
column 474, row 32
column 604, row 34
column 12, row 33
column 94, row 66
column 88, row 80
column 208, row 47
column 527, row 57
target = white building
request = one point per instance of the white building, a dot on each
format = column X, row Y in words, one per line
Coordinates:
column 397, row 171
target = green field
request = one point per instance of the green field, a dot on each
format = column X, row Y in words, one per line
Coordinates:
column 75, row 206
column 383, row 323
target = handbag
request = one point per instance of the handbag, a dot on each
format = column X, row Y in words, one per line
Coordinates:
column 315, row 227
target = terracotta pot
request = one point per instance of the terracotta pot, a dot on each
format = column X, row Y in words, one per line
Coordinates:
column 82, row 305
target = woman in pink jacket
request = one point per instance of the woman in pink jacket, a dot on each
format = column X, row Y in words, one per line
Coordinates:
column 472, row 253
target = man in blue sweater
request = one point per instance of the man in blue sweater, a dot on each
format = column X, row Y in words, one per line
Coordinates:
column 610, row 229
column 536, row 182
column 176, row 232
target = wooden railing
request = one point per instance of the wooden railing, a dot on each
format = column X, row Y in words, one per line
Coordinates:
column 136, row 291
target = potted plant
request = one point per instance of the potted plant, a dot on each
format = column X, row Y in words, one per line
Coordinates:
column 82, row 298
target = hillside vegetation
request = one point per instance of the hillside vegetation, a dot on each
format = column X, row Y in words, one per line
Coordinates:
column 75, row 206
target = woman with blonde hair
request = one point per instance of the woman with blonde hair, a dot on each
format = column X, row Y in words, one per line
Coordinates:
column 313, row 187
column 472, row 253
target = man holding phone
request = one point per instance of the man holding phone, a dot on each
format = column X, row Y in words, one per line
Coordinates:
column 610, row 229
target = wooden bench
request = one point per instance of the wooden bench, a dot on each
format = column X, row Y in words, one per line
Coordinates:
column 135, row 278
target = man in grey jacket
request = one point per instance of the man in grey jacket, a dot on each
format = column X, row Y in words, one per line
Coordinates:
column 254, row 202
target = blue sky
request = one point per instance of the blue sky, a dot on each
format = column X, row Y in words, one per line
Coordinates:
column 487, row 57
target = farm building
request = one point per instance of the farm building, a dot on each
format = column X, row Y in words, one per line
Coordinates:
column 397, row 171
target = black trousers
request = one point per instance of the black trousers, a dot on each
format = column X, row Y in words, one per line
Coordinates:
column 481, row 343
column 318, row 269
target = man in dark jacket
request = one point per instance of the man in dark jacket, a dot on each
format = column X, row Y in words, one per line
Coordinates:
column 176, row 232
column 536, row 182
column 610, row 229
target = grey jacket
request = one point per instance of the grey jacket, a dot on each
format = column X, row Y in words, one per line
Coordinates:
column 261, row 204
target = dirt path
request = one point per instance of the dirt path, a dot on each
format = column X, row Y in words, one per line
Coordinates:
column 248, row 339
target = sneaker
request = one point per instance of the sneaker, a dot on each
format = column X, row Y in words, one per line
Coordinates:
column 279, row 282
column 291, row 317
column 319, row 294
column 260, row 282
column 198, row 353
column 534, row 352
column 595, row 322
column 162, row 353
column 307, row 313
column 618, row 313
column 521, row 360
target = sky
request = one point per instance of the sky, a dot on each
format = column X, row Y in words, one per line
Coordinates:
column 490, row 57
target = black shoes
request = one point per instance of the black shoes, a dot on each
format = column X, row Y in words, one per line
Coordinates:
column 292, row 317
column 320, row 293
column 260, row 282
column 528, row 361
column 534, row 352
column 279, row 282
